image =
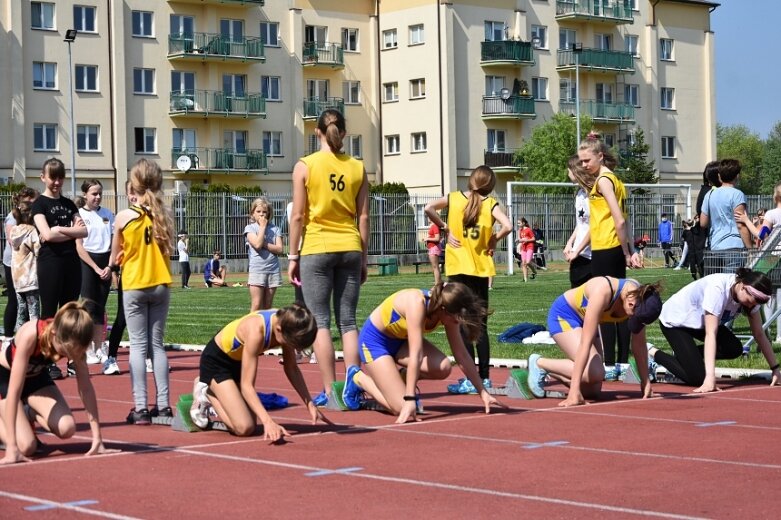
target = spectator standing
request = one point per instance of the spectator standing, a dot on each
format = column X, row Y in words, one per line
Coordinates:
column 265, row 243
column 666, row 240
column 11, row 306
column 577, row 251
column 720, row 207
column 24, row 274
column 183, row 248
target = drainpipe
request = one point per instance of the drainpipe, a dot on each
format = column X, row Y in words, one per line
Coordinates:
column 117, row 189
column 441, row 107
column 380, row 175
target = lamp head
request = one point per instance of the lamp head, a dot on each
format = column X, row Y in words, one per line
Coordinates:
column 70, row 35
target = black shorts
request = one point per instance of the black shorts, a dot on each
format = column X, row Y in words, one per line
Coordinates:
column 216, row 365
column 31, row 384
column 579, row 271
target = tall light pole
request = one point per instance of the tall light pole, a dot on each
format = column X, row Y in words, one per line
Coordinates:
column 70, row 35
column 577, row 48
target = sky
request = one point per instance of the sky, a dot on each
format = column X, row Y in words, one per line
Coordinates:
column 748, row 69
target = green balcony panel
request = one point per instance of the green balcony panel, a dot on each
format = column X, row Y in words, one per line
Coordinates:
column 313, row 107
column 207, row 103
column 597, row 59
column 502, row 160
column 319, row 53
column 514, row 107
column 511, row 52
column 609, row 11
column 601, row 112
column 206, row 46
column 222, row 160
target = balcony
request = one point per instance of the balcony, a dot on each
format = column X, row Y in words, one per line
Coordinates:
column 213, row 47
column 506, row 52
column 502, row 161
column 605, row 11
column 601, row 112
column 514, row 107
column 597, row 60
column 221, row 160
column 209, row 103
column 227, row 3
column 313, row 107
column 323, row 55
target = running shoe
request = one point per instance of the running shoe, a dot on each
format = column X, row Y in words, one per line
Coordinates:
column 55, row 373
column 351, row 395
column 110, row 366
column 161, row 412
column 321, row 399
column 92, row 357
column 464, row 386
column 612, row 372
column 536, row 377
column 71, row 367
column 487, row 383
column 199, row 410
column 139, row 417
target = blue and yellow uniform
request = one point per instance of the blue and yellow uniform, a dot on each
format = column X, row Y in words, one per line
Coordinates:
column 568, row 314
column 375, row 342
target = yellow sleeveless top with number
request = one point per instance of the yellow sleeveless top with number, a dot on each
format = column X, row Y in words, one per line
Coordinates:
column 394, row 324
column 143, row 264
column 233, row 346
column 472, row 257
column 601, row 224
column 331, row 189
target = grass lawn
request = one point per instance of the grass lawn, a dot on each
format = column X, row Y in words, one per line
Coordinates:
column 197, row 314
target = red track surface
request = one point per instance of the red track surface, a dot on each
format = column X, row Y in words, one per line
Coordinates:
column 680, row 456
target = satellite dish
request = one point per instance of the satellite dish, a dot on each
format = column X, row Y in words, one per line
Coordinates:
column 505, row 93
column 184, row 163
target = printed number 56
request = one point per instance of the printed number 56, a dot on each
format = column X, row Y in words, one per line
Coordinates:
column 337, row 185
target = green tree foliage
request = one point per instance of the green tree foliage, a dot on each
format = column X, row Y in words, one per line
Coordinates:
column 771, row 160
column 634, row 166
column 551, row 144
column 738, row 142
column 389, row 188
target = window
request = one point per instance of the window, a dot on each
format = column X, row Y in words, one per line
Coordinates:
column 390, row 39
column 183, row 139
column 317, row 88
column 540, row 89
column 146, row 140
column 494, row 85
column 496, row 140
column 417, row 88
column 182, row 26
column 567, row 91
column 633, row 4
column 143, row 81
column 540, row 36
column 84, row 18
column 236, row 140
column 668, row 147
column 609, row 139
column 566, row 38
column 182, row 81
column 234, row 85
column 269, row 33
column 668, row 98
column 272, row 143
column 392, row 146
column 391, row 92
column 44, row 75
column 232, row 30
column 666, row 50
column 142, row 24
column 604, row 93
column 416, row 34
column 494, row 31
column 269, row 88
column 316, row 34
column 350, row 40
column 603, row 42
column 87, row 138
column 351, row 92
column 44, row 137
column 630, row 44
column 353, row 146
column 86, row 78
column 632, row 95
column 418, row 142
column 42, row 15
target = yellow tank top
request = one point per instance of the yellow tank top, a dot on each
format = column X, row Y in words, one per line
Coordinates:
column 472, row 257
column 394, row 324
column 601, row 224
column 579, row 301
column 143, row 264
column 233, row 346
column 331, row 189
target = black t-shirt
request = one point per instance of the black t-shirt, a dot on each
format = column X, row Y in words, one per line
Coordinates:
column 58, row 212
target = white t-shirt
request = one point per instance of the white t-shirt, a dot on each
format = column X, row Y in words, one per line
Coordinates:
column 711, row 294
column 772, row 218
column 581, row 222
column 184, row 256
column 100, row 226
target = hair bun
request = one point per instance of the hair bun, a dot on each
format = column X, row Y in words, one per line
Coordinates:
column 593, row 136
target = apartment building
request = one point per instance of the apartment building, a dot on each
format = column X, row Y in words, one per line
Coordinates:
column 228, row 91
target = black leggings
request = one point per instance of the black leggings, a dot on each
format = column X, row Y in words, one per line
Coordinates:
column 94, row 288
column 611, row 262
column 118, row 328
column 59, row 282
column 479, row 286
column 11, row 306
column 185, row 267
column 687, row 362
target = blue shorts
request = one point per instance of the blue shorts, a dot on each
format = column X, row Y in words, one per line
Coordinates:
column 562, row 317
column 373, row 344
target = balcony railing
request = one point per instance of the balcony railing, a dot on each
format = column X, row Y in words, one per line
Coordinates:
column 514, row 107
column 323, row 53
column 506, row 52
column 610, row 11
column 231, row 3
column 597, row 59
column 221, row 160
column 601, row 112
column 504, row 159
column 313, row 107
column 206, row 46
column 207, row 103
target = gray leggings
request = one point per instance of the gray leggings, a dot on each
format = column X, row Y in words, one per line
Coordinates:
column 332, row 273
column 145, row 312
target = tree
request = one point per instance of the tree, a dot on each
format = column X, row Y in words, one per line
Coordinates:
column 634, row 166
column 738, row 142
column 771, row 160
column 551, row 144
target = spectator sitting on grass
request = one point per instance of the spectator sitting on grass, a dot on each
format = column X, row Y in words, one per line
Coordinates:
column 214, row 273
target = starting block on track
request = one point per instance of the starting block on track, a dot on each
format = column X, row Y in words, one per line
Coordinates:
column 181, row 420
column 517, row 387
column 336, row 403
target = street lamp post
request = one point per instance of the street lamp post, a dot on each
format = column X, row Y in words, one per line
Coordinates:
column 70, row 35
column 577, row 48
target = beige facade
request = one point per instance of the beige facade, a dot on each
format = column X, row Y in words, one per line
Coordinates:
column 430, row 89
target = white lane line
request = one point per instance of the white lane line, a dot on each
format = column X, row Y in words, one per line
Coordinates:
column 63, row 505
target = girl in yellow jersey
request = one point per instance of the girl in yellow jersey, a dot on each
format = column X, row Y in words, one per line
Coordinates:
column 470, row 249
column 330, row 192
column 229, row 364
column 611, row 239
column 572, row 322
column 393, row 335
column 143, row 238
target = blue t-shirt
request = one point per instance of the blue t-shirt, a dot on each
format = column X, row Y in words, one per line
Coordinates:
column 263, row 261
column 719, row 204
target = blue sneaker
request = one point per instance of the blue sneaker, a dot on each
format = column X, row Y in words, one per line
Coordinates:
column 487, row 383
column 351, row 395
column 537, row 376
column 321, row 399
column 464, row 386
column 612, row 373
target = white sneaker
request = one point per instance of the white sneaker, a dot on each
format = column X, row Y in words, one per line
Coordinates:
column 313, row 359
column 199, row 411
column 110, row 367
column 92, row 358
column 677, row 269
column 149, row 368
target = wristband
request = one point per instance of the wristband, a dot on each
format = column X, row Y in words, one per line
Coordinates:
column 775, row 367
column 410, row 398
column 292, row 257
